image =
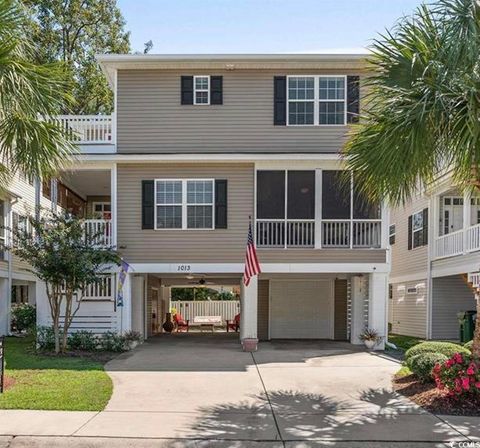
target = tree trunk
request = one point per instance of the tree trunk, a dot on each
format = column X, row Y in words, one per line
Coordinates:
column 66, row 323
column 56, row 332
column 476, row 336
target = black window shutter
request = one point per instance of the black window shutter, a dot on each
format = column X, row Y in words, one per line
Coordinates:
column 353, row 99
column 148, row 204
column 221, row 203
column 187, row 90
column 280, row 100
column 425, row 226
column 216, row 89
column 410, row 232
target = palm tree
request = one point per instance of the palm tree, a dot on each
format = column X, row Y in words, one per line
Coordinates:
column 423, row 107
column 30, row 95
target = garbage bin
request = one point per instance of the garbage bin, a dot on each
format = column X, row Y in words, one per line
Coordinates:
column 467, row 319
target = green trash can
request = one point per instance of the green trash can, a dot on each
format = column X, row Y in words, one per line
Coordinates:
column 467, row 319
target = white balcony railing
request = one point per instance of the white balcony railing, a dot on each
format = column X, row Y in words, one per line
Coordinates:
column 335, row 233
column 449, row 245
column 100, row 230
column 88, row 129
column 285, row 233
column 473, row 238
column 351, row 233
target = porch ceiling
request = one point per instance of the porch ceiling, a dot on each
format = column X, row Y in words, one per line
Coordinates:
column 88, row 182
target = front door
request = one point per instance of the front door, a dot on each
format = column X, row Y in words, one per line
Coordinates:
column 102, row 210
column 301, row 309
column 452, row 214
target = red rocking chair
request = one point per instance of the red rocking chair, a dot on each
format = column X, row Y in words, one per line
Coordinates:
column 180, row 323
column 234, row 324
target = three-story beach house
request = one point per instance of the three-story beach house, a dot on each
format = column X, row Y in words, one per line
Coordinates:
column 198, row 146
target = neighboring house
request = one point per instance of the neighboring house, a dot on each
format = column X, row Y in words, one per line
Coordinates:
column 435, row 249
column 197, row 146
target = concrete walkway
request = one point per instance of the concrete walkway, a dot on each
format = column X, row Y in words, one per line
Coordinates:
column 201, row 390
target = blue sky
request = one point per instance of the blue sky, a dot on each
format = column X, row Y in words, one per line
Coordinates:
column 259, row 26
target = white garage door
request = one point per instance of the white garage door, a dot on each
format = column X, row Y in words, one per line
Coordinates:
column 301, row 309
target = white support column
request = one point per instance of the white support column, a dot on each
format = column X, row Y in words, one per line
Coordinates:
column 4, row 307
column 467, row 218
column 44, row 317
column 359, row 295
column 377, row 305
column 248, row 318
column 385, row 215
column 125, row 311
column 113, row 203
column 32, row 293
column 318, row 208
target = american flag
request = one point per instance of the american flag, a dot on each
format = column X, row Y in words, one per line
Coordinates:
column 252, row 266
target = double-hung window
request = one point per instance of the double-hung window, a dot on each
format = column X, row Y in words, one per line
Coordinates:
column 417, row 229
column 316, row 100
column 391, row 234
column 201, row 90
column 184, row 203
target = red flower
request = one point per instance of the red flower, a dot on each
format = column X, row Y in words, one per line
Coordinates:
column 466, row 383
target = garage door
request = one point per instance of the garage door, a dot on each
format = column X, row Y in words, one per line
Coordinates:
column 301, row 309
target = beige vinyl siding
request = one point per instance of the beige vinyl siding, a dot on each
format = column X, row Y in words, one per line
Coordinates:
column 150, row 118
column 210, row 246
column 407, row 262
column 263, row 309
column 179, row 246
column 409, row 311
column 341, row 309
column 450, row 295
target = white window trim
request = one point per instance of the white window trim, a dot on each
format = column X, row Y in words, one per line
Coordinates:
column 413, row 230
column 316, row 100
column 390, row 234
column 184, row 204
column 195, row 90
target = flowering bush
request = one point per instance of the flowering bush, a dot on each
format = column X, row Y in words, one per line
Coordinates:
column 458, row 375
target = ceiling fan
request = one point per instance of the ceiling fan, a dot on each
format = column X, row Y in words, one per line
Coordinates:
column 200, row 282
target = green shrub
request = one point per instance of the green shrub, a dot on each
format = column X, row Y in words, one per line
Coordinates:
column 468, row 345
column 45, row 338
column 24, row 317
column 83, row 340
column 445, row 348
column 112, row 342
column 423, row 364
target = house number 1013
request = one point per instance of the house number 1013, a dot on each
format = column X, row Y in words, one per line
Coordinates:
column 184, row 268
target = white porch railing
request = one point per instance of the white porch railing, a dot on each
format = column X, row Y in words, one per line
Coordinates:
column 474, row 279
column 103, row 289
column 285, row 233
column 189, row 309
column 449, row 245
column 88, row 129
column 100, row 230
column 473, row 238
column 351, row 233
column 335, row 233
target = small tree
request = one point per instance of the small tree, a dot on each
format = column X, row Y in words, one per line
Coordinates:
column 69, row 260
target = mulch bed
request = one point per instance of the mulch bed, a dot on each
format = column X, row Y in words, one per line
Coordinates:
column 434, row 400
column 102, row 357
column 7, row 382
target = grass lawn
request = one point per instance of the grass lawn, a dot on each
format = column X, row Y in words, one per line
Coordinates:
column 403, row 342
column 55, row 383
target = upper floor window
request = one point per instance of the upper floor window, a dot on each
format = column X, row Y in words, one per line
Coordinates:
column 184, row 204
column 391, row 234
column 201, row 88
column 316, row 100
column 418, row 229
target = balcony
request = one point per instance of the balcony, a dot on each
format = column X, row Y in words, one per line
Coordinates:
column 460, row 242
column 93, row 133
column 457, row 224
column 100, row 231
column 334, row 234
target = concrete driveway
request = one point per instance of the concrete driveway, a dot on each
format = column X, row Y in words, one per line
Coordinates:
column 201, row 390
column 199, row 386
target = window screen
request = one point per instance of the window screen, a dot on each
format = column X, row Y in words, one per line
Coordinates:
column 335, row 196
column 301, row 195
column 271, row 194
